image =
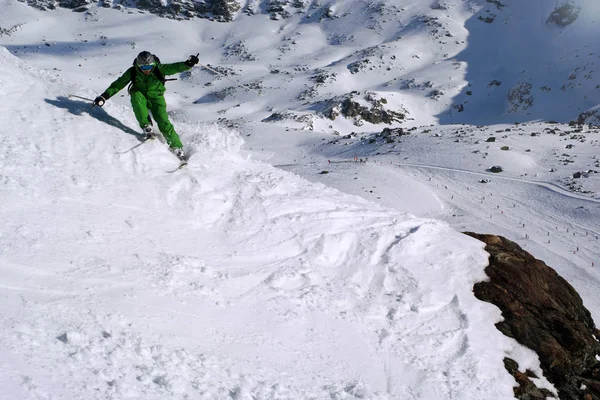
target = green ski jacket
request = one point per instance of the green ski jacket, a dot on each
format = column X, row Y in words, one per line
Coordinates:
column 149, row 85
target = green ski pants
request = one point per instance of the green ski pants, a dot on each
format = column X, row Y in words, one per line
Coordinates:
column 158, row 107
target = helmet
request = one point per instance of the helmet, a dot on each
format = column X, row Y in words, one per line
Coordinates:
column 145, row 58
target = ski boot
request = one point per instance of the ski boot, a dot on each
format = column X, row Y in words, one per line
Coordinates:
column 149, row 132
column 180, row 154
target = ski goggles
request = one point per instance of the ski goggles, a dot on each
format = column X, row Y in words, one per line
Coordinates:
column 147, row 67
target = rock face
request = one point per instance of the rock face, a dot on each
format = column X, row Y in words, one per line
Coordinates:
column 219, row 10
column 543, row 312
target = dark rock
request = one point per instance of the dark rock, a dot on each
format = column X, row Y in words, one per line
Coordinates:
column 491, row 139
column 487, row 20
column 73, row 4
column 224, row 10
column 495, row 169
column 435, row 94
column 497, row 3
column 542, row 311
column 520, row 96
column 526, row 389
column 276, row 9
column 358, row 66
column 564, row 14
column 63, row 338
column 219, row 10
column 374, row 115
column 591, row 117
column 439, row 5
column 394, row 132
column 584, row 174
column 347, row 107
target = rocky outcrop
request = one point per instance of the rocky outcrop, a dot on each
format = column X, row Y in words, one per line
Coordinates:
column 520, row 97
column 542, row 311
column 357, row 107
column 564, row 14
column 589, row 117
column 361, row 108
column 219, row 10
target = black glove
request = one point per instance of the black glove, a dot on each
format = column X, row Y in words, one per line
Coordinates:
column 193, row 60
column 99, row 101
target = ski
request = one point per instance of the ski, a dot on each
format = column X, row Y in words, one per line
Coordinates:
column 182, row 164
column 182, row 161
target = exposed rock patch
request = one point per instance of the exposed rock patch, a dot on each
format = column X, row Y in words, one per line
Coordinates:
column 520, row 96
column 542, row 311
column 367, row 108
column 564, row 14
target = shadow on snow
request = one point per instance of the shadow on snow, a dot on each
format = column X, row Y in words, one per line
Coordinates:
column 78, row 107
column 520, row 68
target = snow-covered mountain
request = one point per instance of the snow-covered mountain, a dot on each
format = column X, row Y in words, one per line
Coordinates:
column 451, row 61
column 311, row 249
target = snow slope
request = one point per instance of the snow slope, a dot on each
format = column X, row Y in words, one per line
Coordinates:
column 228, row 279
column 233, row 278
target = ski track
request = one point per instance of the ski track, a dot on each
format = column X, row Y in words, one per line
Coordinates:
column 555, row 229
column 548, row 185
column 549, row 231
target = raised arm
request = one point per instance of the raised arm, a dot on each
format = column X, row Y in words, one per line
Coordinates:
column 174, row 68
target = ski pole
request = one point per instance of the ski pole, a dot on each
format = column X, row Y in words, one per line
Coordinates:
column 84, row 98
column 228, row 78
column 79, row 97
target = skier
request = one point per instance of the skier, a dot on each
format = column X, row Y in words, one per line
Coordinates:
column 147, row 87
